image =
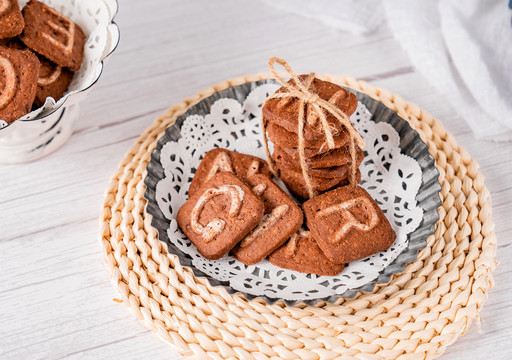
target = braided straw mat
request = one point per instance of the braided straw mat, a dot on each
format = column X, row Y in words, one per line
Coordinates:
column 415, row 316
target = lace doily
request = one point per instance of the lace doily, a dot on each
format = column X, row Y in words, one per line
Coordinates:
column 392, row 178
column 95, row 18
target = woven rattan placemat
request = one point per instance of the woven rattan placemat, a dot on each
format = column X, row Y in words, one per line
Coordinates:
column 415, row 316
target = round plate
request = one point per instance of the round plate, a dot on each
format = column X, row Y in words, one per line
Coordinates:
column 410, row 144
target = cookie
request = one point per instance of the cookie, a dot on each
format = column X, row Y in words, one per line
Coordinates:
column 336, row 157
column 52, row 82
column 19, row 70
column 325, row 173
column 283, row 160
column 285, row 138
column 284, row 112
column 11, row 19
column 282, row 218
column 53, row 35
column 301, row 253
column 220, row 214
column 295, row 183
column 348, row 224
column 244, row 166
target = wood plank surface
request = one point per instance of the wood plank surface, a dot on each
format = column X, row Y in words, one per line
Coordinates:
column 56, row 298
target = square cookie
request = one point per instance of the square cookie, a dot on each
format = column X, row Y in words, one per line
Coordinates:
column 220, row 214
column 301, row 253
column 216, row 160
column 53, row 35
column 282, row 218
column 348, row 224
column 52, row 82
column 11, row 19
column 19, row 70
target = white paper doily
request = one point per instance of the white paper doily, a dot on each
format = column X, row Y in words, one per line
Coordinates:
column 393, row 179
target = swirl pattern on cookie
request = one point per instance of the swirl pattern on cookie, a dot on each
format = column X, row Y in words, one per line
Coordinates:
column 216, row 226
column 51, row 78
column 9, row 91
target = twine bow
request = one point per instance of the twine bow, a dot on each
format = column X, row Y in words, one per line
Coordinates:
column 299, row 89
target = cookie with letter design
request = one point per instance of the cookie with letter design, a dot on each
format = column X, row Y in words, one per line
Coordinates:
column 348, row 224
column 11, row 20
column 52, row 82
column 216, row 160
column 301, row 253
column 19, row 70
column 53, row 35
column 282, row 218
column 220, row 214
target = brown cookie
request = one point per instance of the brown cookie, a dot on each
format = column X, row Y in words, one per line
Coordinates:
column 301, row 253
column 53, row 81
column 325, row 173
column 19, row 70
column 282, row 218
column 244, row 166
column 11, row 19
column 348, row 224
column 53, row 35
column 284, row 112
column 295, row 183
column 336, row 157
column 282, row 137
column 220, row 214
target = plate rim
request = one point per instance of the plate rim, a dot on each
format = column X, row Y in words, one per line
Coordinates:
column 432, row 188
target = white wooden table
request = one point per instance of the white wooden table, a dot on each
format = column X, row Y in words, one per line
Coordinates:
column 56, row 300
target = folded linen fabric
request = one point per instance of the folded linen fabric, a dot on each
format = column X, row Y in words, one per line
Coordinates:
column 463, row 48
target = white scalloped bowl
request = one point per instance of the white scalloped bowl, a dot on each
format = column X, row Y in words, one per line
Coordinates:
column 47, row 128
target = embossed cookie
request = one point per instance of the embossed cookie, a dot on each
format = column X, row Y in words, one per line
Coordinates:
column 284, row 112
column 282, row 218
column 348, row 224
column 295, row 183
column 52, row 82
column 53, row 35
column 220, row 214
column 285, row 138
column 11, row 20
column 19, row 70
column 301, row 253
column 216, row 160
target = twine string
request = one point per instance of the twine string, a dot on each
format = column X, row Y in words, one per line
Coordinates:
column 300, row 89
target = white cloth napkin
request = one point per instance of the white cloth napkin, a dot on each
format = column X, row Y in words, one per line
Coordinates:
column 463, row 48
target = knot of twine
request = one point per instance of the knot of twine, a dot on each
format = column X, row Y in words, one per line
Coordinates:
column 299, row 89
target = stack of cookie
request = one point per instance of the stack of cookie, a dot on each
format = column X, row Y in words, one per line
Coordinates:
column 40, row 49
column 328, row 167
